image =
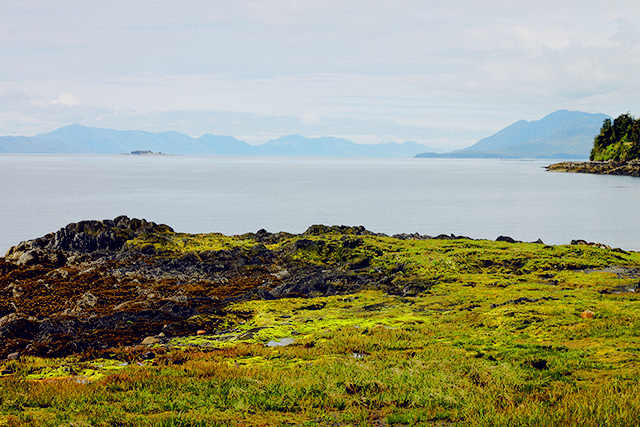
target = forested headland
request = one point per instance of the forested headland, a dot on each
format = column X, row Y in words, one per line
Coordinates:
column 616, row 150
column 618, row 140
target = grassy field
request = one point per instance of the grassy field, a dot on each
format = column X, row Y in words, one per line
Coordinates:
column 499, row 334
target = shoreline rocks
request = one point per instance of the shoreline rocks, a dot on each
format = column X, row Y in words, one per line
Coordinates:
column 631, row 168
column 86, row 288
column 92, row 285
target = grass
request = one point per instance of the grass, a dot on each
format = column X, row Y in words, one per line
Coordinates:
column 496, row 339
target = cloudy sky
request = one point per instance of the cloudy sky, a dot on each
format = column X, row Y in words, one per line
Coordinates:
column 443, row 73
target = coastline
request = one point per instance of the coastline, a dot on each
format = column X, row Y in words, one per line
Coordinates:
column 94, row 310
column 630, row 168
column 143, row 279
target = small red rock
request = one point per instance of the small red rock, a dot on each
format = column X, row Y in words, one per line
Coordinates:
column 201, row 332
column 587, row 314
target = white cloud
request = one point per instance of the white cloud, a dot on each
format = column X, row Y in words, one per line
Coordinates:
column 453, row 66
column 66, row 99
column 311, row 119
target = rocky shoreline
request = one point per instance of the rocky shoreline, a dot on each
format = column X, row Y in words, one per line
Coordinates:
column 85, row 287
column 631, row 168
column 95, row 285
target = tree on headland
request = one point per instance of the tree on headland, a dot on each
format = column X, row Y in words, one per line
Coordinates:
column 619, row 141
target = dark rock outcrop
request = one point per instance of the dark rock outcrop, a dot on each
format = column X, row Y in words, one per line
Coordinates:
column 85, row 238
column 88, row 287
column 101, row 284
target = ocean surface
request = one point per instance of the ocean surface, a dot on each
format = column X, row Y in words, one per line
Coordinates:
column 478, row 198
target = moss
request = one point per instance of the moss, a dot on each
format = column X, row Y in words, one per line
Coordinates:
column 179, row 243
column 84, row 372
column 497, row 339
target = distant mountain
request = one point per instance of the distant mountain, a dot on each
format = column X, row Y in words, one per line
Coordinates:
column 560, row 135
column 77, row 139
column 296, row 145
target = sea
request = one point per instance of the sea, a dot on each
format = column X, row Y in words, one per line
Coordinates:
column 478, row 198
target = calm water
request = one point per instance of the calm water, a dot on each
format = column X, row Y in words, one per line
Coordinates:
column 477, row 198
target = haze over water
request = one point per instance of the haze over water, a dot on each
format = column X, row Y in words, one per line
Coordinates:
column 479, row 198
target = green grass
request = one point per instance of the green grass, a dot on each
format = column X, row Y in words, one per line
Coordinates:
column 469, row 351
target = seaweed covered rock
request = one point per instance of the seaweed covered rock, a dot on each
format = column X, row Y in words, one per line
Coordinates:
column 99, row 284
column 112, row 283
column 626, row 168
column 82, row 238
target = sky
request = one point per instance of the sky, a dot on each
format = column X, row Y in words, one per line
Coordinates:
column 441, row 73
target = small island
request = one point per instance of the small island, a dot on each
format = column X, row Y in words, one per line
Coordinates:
column 146, row 153
column 616, row 150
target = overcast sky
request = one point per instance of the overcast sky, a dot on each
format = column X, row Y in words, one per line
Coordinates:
column 443, row 73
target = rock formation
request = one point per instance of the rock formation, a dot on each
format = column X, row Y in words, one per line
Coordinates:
column 631, row 168
column 87, row 287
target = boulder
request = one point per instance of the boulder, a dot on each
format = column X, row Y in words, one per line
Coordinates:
column 151, row 341
column 17, row 325
column 87, row 300
column 359, row 263
column 506, row 239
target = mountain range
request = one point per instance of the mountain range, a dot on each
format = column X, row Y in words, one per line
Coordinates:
column 77, row 139
column 560, row 135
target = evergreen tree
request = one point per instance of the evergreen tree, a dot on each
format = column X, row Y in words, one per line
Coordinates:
column 619, row 140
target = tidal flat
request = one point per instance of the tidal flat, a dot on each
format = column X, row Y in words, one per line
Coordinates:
column 337, row 326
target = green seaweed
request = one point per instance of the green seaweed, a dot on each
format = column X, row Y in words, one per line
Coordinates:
column 497, row 338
